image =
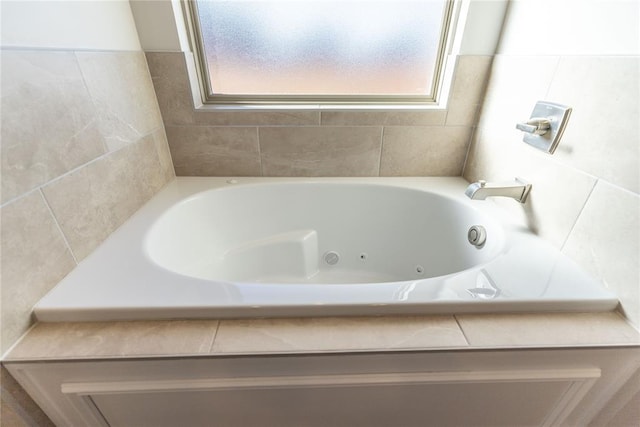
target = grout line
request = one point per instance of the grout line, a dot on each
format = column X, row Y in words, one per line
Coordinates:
column 164, row 143
column 382, row 128
column 15, row 199
column 96, row 112
column 79, row 167
column 553, row 77
column 573, row 226
column 464, row 335
column 472, row 136
column 55, row 219
column 215, row 335
column 293, row 125
column 611, row 184
column 59, row 177
column 32, row 326
column 259, row 150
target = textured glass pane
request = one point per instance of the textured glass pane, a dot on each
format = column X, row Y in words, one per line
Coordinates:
column 320, row 47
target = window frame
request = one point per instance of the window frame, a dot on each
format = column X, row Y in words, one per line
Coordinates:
column 240, row 100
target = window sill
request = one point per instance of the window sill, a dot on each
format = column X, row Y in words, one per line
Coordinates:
column 319, row 107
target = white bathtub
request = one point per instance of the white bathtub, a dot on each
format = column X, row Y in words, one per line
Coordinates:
column 256, row 247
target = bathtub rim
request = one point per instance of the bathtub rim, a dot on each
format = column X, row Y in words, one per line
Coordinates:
column 63, row 304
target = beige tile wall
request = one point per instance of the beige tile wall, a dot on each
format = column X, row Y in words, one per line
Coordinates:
column 83, row 147
column 314, row 142
column 585, row 198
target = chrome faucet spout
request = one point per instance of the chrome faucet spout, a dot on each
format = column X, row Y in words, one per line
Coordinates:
column 480, row 190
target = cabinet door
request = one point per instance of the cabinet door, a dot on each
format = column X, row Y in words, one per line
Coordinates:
column 447, row 388
column 496, row 398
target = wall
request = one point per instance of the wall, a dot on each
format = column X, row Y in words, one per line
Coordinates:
column 314, row 142
column 83, row 147
column 585, row 198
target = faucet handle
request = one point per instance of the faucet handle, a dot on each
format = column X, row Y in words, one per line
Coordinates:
column 535, row 126
column 546, row 125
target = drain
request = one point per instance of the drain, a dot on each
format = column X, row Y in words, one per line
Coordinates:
column 477, row 236
column 419, row 269
column 331, row 257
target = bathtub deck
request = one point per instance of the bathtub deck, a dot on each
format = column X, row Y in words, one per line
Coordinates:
column 119, row 281
column 179, row 338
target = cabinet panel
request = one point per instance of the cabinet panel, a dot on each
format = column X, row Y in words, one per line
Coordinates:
column 498, row 397
column 515, row 387
column 495, row 404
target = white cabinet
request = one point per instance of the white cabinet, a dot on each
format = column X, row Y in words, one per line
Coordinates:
column 456, row 388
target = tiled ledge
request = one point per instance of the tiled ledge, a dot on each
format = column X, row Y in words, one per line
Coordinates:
column 180, row 338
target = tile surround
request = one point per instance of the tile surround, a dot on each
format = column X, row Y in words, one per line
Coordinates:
column 164, row 154
column 515, row 84
column 553, row 329
column 173, row 94
column 34, row 258
column 424, row 151
column 211, row 151
column 123, row 95
column 307, row 142
column 337, row 334
column 320, row 151
column 84, row 129
column 257, row 118
column 117, row 339
column 49, row 123
column 602, row 137
column 384, row 118
column 176, row 338
column 606, row 242
column 467, row 90
column 584, row 197
column 109, row 191
column 558, row 194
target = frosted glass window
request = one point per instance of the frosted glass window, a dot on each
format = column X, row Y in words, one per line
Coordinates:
column 322, row 48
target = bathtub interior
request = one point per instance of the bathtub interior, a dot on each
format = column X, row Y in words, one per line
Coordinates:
column 319, row 233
